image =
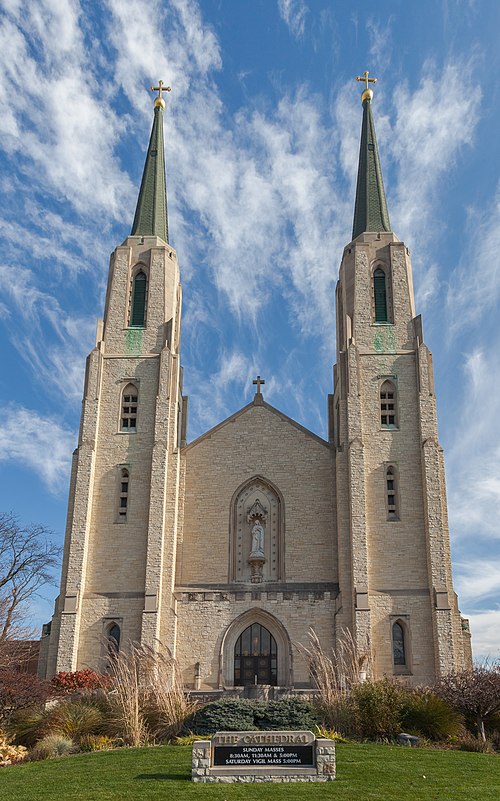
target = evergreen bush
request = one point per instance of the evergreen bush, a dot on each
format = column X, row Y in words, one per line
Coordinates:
column 287, row 713
column 231, row 714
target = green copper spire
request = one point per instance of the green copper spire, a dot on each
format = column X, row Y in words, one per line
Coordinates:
column 370, row 209
column 151, row 212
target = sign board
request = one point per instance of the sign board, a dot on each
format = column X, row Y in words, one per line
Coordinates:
column 273, row 749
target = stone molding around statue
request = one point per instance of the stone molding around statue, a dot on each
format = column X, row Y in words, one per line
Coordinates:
column 256, row 542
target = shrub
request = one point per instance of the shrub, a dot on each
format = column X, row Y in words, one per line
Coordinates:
column 52, row 746
column 96, row 742
column 10, row 753
column 74, row 719
column 186, row 739
column 426, row 714
column 78, row 680
column 288, row 713
column 21, row 690
column 379, row 706
column 475, row 692
column 231, row 714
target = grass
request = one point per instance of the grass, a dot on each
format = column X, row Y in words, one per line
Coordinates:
column 366, row 772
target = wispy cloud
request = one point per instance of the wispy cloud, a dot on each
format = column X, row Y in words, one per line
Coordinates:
column 423, row 148
column 38, row 443
column 474, row 286
column 473, row 461
column 484, row 627
column 294, row 13
column 53, row 342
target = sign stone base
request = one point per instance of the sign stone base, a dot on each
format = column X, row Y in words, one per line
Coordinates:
column 259, row 756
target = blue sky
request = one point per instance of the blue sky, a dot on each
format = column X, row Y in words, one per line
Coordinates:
column 262, row 134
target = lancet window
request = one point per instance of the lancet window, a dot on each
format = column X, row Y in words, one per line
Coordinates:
column 380, row 296
column 139, row 300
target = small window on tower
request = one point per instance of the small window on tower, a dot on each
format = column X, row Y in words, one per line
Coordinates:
column 380, row 296
column 400, row 647
column 391, row 493
column 388, row 405
column 128, row 422
column 123, row 495
column 139, row 300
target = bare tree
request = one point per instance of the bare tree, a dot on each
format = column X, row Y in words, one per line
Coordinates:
column 27, row 559
column 475, row 693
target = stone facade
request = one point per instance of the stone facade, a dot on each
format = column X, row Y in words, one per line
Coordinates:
column 354, row 530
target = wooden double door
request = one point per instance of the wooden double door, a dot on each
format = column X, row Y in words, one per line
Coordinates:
column 255, row 657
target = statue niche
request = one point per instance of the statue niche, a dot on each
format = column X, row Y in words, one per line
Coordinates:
column 257, row 516
column 256, row 537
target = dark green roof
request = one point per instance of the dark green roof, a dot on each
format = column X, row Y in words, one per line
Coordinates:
column 151, row 212
column 370, row 209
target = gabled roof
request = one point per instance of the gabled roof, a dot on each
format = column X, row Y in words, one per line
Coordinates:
column 256, row 403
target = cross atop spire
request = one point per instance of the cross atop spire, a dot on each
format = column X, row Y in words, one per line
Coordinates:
column 367, row 94
column 159, row 101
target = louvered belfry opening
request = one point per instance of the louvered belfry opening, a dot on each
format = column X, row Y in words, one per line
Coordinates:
column 139, row 293
column 380, row 290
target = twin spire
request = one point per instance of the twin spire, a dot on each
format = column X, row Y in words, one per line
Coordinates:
column 151, row 213
column 370, row 207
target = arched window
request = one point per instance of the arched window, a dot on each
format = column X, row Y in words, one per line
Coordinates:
column 123, row 495
column 391, row 492
column 388, row 405
column 398, row 645
column 114, row 634
column 129, row 409
column 380, row 296
column 255, row 657
column 139, row 297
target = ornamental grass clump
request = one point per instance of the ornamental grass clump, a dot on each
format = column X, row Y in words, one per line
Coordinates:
column 52, row 746
column 426, row 714
column 148, row 701
column 335, row 674
column 74, row 719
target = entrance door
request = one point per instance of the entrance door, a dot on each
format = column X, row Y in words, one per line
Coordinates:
column 255, row 657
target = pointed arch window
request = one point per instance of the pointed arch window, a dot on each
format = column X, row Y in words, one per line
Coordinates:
column 114, row 635
column 380, row 296
column 399, row 646
column 139, row 300
column 123, row 495
column 388, row 405
column 128, row 420
column 391, row 493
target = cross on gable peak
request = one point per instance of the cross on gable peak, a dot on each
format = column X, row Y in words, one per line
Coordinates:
column 258, row 382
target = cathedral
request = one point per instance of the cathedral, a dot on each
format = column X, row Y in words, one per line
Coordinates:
column 230, row 548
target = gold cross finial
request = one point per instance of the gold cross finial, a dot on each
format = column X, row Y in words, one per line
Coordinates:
column 159, row 101
column 367, row 94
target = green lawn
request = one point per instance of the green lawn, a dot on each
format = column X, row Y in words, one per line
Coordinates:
column 365, row 772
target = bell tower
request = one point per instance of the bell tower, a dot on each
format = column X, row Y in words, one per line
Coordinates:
column 393, row 541
column 120, row 546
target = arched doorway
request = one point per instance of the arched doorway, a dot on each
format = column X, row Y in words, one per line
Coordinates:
column 255, row 657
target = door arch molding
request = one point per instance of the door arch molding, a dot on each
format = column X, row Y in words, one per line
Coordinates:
column 233, row 632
